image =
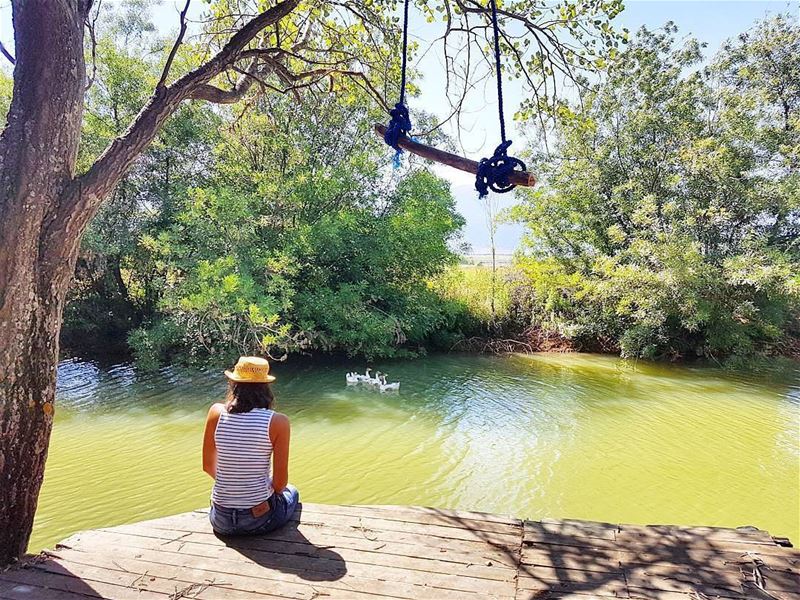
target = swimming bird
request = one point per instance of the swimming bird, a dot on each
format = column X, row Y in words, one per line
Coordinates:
column 389, row 387
column 374, row 380
column 352, row 378
column 362, row 378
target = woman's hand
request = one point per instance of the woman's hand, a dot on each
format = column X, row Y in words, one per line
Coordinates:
column 279, row 433
column 209, row 446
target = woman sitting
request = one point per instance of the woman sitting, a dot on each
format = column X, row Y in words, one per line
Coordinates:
column 241, row 438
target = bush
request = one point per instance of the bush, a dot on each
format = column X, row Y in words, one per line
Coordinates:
column 668, row 225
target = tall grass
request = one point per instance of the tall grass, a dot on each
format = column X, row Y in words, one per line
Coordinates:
column 471, row 286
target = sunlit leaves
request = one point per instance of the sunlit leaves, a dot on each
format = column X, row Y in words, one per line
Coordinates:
column 669, row 219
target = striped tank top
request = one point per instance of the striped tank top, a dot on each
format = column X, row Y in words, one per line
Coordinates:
column 244, row 453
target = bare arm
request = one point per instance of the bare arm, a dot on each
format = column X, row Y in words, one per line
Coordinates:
column 279, row 434
column 209, row 446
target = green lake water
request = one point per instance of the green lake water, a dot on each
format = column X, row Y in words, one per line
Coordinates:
column 549, row 435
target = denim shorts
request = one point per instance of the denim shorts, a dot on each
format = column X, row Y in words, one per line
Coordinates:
column 240, row 521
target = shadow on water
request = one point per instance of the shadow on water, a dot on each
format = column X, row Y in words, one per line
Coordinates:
column 289, row 551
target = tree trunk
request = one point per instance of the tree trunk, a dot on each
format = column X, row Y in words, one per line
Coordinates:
column 44, row 210
column 38, row 150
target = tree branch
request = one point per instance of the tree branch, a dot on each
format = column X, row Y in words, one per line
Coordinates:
column 91, row 25
column 84, row 195
column 211, row 93
column 175, row 46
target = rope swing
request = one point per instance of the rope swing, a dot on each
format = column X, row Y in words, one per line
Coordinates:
column 494, row 173
column 400, row 123
column 500, row 173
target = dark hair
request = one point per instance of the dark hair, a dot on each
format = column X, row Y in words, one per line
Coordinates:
column 244, row 397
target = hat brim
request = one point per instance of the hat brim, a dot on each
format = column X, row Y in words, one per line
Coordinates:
column 233, row 377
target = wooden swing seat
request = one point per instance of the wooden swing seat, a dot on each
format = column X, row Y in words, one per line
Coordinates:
column 522, row 178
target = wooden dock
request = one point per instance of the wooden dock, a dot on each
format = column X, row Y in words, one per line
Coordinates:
column 372, row 552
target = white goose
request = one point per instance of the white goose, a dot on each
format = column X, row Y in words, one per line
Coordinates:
column 374, row 380
column 388, row 387
column 352, row 378
column 364, row 378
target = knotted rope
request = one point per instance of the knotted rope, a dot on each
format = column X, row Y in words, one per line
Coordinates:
column 400, row 123
column 493, row 173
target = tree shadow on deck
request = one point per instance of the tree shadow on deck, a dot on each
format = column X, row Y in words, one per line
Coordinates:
column 654, row 561
column 39, row 578
column 289, row 551
column 564, row 558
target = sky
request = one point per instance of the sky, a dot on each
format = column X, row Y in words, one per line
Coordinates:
column 710, row 21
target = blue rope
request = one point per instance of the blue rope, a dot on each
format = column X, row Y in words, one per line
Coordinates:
column 494, row 172
column 400, row 124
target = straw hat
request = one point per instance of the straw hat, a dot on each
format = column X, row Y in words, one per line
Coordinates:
column 251, row 369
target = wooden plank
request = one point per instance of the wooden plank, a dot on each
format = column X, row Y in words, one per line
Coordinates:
column 676, row 582
column 777, row 580
column 666, row 572
column 452, row 160
column 730, row 575
column 229, row 570
column 640, row 594
column 420, row 516
column 476, row 567
column 715, row 547
column 753, row 591
column 577, row 582
column 578, row 529
column 155, row 580
column 10, row 590
column 498, row 550
column 551, row 573
column 307, row 565
column 654, row 544
column 391, row 543
column 66, row 582
column 575, row 595
column 704, row 558
column 232, row 583
column 716, row 577
column 750, row 594
column 427, row 510
column 409, row 511
column 441, row 526
column 237, row 585
column 574, row 542
column 745, row 533
column 570, row 558
column 637, row 534
column 370, row 523
column 580, row 523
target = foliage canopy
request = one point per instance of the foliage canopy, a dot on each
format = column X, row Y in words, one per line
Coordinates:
column 668, row 225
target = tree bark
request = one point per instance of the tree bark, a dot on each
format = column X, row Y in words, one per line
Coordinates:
column 38, row 149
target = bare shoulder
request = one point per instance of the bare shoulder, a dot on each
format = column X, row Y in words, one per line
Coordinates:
column 216, row 409
column 279, row 423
